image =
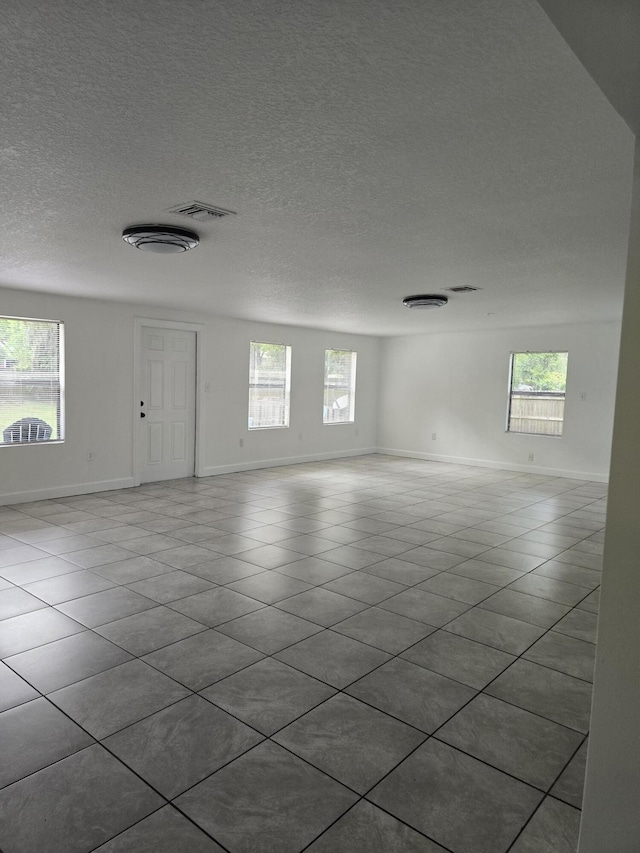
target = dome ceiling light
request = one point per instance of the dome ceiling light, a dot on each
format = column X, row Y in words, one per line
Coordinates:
column 426, row 301
column 162, row 239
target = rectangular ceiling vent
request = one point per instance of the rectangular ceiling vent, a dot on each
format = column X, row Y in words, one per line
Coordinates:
column 200, row 211
column 463, row 288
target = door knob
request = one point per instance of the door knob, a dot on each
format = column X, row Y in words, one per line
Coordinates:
column 142, row 415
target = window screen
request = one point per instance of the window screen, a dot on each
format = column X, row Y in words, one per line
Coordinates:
column 31, row 381
column 269, row 385
column 339, row 386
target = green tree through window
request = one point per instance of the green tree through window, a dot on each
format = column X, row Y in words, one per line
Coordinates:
column 540, row 371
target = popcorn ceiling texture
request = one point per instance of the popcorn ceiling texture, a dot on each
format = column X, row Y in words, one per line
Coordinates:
column 371, row 150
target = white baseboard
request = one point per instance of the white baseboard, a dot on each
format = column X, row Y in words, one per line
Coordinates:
column 211, row 471
column 128, row 482
column 504, row 466
column 66, row 491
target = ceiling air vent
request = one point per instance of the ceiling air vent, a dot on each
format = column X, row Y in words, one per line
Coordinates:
column 200, row 211
column 463, row 288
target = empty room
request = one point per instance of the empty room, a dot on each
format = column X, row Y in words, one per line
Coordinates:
column 302, row 529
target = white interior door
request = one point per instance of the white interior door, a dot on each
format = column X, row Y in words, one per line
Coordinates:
column 167, row 385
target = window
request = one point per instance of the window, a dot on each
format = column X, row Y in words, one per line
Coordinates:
column 537, row 386
column 269, row 385
column 31, row 381
column 339, row 386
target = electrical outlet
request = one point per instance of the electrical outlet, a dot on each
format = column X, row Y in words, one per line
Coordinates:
column 531, row 457
column 583, row 397
column 90, row 456
column 242, row 442
column 433, row 436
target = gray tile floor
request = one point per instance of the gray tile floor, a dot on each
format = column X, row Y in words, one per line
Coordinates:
column 370, row 654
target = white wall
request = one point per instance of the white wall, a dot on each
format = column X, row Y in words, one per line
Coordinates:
column 227, row 358
column 611, row 811
column 455, row 385
column 100, row 396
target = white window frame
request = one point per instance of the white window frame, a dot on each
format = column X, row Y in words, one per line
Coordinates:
column 333, row 413
column 552, row 415
column 274, row 413
column 51, row 379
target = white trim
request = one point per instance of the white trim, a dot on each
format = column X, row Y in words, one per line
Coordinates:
column 211, row 471
column 198, row 328
column 66, row 491
column 504, row 466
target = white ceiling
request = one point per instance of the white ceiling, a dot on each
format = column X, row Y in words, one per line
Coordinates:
column 372, row 149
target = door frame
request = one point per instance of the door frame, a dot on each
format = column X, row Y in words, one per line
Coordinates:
column 198, row 328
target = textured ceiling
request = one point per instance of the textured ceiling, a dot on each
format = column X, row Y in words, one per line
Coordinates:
column 372, row 149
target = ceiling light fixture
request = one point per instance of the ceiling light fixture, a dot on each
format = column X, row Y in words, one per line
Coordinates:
column 162, row 239
column 428, row 301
